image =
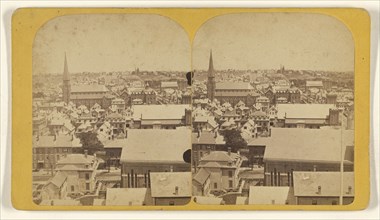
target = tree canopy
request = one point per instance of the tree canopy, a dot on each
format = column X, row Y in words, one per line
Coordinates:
column 90, row 142
column 234, row 140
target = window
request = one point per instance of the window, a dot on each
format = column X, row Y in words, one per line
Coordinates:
column 314, row 202
column 87, row 175
column 215, row 185
column 171, row 203
column 72, row 188
column 230, row 184
column 334, row 202
column 87, row 186
column 230, row 173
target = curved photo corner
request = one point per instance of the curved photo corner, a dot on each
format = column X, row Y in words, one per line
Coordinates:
column 273, row 110
column 111, row 111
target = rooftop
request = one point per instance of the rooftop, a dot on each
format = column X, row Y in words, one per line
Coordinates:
column 156, row 112
column 307, row 183
column 76, row 159
column 312, row 111
column 233, row 86
column 314, row 83
column 317, row 145
column 268, row 195
column 84, row 88
column 171, row 184
column 126, row 196
column 206, row 200
column 165, row 146
column 220, row 156
column 169, row 84
column 205, row 137
column 201, row 176
column 56, row 141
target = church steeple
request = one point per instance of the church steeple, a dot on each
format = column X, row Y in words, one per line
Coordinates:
column 211, row 79
column 211, row 66
column 65, row 70
column 66, row 87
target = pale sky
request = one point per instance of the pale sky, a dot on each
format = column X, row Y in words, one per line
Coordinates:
column 269, row 40
column 118, row 42
column 122, row 42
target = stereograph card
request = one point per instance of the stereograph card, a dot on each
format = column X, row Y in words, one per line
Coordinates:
column 190, row 109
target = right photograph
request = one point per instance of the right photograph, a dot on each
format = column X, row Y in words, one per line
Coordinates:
column 273, row 110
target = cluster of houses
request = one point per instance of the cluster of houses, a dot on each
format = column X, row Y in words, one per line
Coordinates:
column 164, row 144
column 299, row 143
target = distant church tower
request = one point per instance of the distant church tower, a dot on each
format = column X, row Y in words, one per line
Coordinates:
column 66, row 88
column 211, row 80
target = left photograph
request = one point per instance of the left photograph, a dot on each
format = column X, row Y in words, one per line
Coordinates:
column 111, row 111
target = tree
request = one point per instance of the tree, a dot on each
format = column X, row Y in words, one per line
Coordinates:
column 234, row 140
column 90, row 142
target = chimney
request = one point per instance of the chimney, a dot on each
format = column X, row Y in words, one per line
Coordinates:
column 349, row 190
column 176, row 190
column 85, row 153
column 199, row 134
column 319, row 190
column 72, row 137
column 229, row 151
column 216, row 134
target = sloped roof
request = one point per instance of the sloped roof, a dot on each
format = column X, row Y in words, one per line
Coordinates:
column 206, row 200
column 114, row 116
column 164, row 184
column 318, row 145
column 76, row 159
column 266, row 195
column 169, row 84
column 303, row 110
column 58, row 179
column 314, row 83
column 306, row 184
column 58, row 141
column 233, row 86
column 157, row 112
column 219, row 156
column 163, row 145
column 84, row 88
column 126, row 196
column 206, row 137
column 259, row 113
column 201, row 176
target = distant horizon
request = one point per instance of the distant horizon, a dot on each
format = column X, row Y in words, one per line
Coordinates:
column 200, row 70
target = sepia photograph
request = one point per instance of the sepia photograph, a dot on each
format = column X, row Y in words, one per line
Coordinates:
column 111, row 111
column 257, row 110
column 273, row 110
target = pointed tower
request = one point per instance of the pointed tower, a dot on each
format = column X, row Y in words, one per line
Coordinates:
column 66, row 88
column 211, row 79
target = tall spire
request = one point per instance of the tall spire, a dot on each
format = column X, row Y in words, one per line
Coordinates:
column 211, row 65
column 66, row 70
column 66, row 88
column 211, row 80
